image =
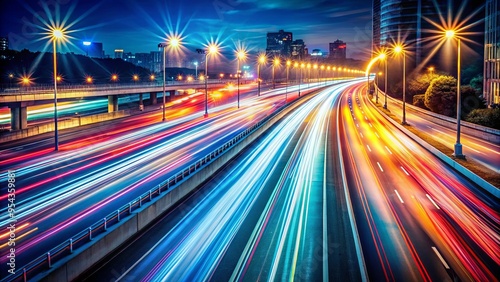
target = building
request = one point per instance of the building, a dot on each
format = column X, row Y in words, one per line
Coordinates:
column 129, row 57
column 338, row 50
column 92, row 49
column 279, row 44
column 491, row 75
column 410, row 23
column 118, row 53
column 298, row 49
column 156, row 61
column 4, row 43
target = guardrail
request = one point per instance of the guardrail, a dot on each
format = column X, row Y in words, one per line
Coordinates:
column 66, row 248
column 110, row 86
column 479, row 131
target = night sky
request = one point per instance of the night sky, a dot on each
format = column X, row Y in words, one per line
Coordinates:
column 138, row 26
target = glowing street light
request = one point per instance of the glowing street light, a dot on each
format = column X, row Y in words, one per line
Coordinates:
column 114, row 78
column 276, row 62
column 57, row 34
column 288, row 64
column 260, row 61
column 240, row 55
column 458, row 146
column 211, row 49
column 135, row 77
column 152, row 77
column 302, row 66
column 399, row 49
column 25, row 80
column 174, row 42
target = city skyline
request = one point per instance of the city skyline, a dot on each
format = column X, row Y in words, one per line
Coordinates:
column 138, row 27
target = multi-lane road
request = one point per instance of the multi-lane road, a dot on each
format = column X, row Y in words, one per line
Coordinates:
column 102, row 167
column 333, row 192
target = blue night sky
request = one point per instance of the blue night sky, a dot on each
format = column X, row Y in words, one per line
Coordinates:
column 138, row 26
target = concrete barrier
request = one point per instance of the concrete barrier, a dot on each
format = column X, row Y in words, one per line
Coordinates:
column 61, row 124
column 479, row 131
column 69, row 268
column 463, row 170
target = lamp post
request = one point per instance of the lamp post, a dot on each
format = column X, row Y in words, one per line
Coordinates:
column 56, row 34
column 276, row 62
column 173, row 42
column 385, row 82
column 302, row 66
column 308, row 75
column 376, row 88
column 196, row 70
column 212, row 49
column 458, row 146
column 241, row 54
column 261, row 60
column 399, row 49
column 288, row 64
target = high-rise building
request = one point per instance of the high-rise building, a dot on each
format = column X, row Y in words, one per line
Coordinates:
column 410, row 22
column 491, row 76
column 298, row 49
column 338, row 50
column 118, row 53
column 92, row 49
column 279, row 44
column 156, row 61
column 4, row 43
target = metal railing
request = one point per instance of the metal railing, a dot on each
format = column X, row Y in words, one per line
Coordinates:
column 66, row 248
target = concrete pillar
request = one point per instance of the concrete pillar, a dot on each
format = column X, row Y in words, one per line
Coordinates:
column 18, row 116
column 141, row 103
column 152, row 98
column 112, row 103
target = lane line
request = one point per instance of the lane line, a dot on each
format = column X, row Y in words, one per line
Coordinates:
column 377, row 135
column 367, row 146
column 388, row 150
column 434, row 203
column 405, row 170
column 440, row 258
column 401, row 199
column 379, row 166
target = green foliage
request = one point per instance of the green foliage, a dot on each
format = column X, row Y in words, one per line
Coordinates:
column 419, row 101
column 441, row 96
column 485, row 117
column 418, row 84
column 477, row 83
column 470, row 100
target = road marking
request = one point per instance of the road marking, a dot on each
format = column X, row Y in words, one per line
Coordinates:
column 440, row 258
column 367, row 146
column 361, row 135
column 399, row 196
column 377, row 135
column 388, row 150
column 405, row 170
column 434, row 203
column 366, row 118
column 357, row 125
column 370, row 124
column 379, row 166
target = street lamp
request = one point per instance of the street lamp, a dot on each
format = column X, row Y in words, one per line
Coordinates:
column 376, row 88
column 302, row 66
column 56, row 35
column 240, row 54
column 322, row 71
column 173, row 42
column 212, row 49
column 288, row 64
column 308, row 74
column 399, row 49
column 315, row 67
column 276, row 62
column 261, row 60
column 458, row 147
column 196, row 69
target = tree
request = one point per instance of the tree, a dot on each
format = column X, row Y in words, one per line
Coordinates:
column 471, row 100
column 419, row 101
column 441, row 96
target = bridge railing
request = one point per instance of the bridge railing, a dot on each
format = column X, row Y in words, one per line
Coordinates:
column 109, row 86
column 45, row 262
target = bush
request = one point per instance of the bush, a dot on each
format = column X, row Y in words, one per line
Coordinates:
column 441, row 96
column 485, row 117
column 419, row 101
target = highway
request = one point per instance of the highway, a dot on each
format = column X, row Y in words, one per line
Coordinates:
column 102, row 167
column 418, row 219
column 276, row 213
column 481, row 151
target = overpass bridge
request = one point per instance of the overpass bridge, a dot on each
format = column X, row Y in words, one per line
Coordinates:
column 18, row 99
